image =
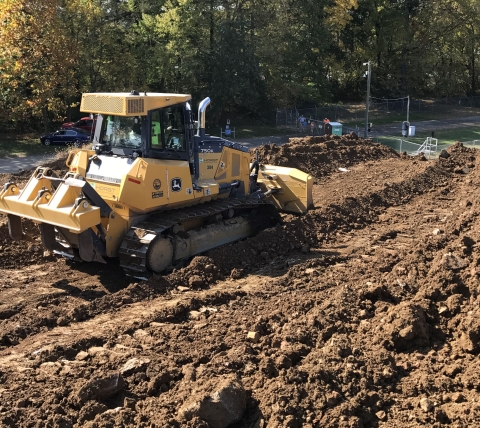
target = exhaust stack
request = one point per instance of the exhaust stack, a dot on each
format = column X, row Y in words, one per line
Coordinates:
column 201, row 116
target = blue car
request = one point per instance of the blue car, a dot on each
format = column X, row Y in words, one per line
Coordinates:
column 72, row 136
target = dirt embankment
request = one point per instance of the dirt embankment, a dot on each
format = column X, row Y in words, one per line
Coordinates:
column 362, row 313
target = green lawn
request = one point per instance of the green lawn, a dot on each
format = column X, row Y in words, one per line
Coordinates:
column 24, row 146
column 445, row 136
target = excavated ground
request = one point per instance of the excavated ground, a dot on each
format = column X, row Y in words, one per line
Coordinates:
column 362, row 313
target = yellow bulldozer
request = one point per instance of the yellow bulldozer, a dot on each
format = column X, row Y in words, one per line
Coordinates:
column 153, row 189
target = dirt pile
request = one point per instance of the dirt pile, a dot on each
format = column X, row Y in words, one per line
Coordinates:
column 321, row 156
column 364, row 312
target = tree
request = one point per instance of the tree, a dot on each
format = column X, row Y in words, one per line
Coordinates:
column 36, row 74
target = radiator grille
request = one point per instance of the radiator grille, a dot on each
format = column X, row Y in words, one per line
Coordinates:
column 135, row 105
column 103, row 104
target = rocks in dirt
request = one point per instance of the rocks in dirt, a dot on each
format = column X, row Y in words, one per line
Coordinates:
column 253, row 336
column 444, row 154
column 453, row 262
column 134, row 365
column 100, row 388
column 219, row 402
column 426, row 404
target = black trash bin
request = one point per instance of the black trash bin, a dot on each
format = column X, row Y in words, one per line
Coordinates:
column 328, row 128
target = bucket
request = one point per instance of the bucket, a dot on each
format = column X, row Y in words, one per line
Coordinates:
column 411, row 131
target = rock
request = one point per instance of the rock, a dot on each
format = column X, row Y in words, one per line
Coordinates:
column 194, row 315
column 62, row 321
column 134, row 365
column 82, row 355
column 381, row 415
column 101, row 389
column 436, row 232
column 142, row 336
column 444, row 154
column 453, row 262
column 443, row 310
column 195, row 281
column 333, row 398
column 96, row 351
column 253, row 336
column 182, row 288
column 220, row 403
column 458, row 397
column 237, row 273
column 426, row 404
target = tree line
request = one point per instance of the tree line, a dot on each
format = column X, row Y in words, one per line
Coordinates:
column 248, row 56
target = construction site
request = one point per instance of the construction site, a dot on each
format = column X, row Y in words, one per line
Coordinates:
column 362, row 312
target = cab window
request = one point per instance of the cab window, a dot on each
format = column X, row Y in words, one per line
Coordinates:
column 168, row 129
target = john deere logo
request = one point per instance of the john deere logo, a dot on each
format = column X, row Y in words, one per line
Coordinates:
column 176, row 184
column 157, row 184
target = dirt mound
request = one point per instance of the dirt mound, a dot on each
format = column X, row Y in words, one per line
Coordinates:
column 321, row 156
column 364, row 312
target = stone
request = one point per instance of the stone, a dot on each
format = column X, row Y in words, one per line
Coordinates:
column 134, row 365
column 458, row 397
column 82, row 355
column 253, row 336
column 444, row 154
column 101, row 388
column 436, row 232
column 62, row 321
column 220, row 403
column 426, row 404
column 182, row 288
column 381, row 415
column 96, row 351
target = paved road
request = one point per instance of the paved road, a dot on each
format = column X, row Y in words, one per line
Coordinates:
column 16, row 164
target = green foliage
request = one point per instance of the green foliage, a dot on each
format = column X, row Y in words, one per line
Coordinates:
column 248, row 56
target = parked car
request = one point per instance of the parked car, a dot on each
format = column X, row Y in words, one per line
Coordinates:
column 86, row 123
column 74, row 136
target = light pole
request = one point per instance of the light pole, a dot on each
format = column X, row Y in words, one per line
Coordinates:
column 369, row 69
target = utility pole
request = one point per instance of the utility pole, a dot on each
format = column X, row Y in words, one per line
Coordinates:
column 408, row 107
column 369, row 69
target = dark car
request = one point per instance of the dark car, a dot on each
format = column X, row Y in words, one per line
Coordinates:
column 74, row 136
column 86, row 123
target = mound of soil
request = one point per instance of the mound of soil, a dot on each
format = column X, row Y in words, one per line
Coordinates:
column 361, row 313
column 321, row 156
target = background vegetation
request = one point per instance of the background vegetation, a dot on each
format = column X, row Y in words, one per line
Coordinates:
column 248, row 56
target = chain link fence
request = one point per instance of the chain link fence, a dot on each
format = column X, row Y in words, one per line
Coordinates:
column 290, row 118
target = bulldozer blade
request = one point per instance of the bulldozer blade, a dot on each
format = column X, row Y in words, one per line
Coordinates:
column 86, row 248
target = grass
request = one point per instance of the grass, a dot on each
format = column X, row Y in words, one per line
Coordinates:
column 25, row 146
column 444, row 136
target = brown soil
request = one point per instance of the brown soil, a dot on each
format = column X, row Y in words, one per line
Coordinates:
column 362, row 313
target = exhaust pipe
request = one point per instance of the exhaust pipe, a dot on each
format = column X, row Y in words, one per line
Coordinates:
column 201, row 116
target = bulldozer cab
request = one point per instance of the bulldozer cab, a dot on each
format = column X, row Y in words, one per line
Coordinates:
column 164, row 133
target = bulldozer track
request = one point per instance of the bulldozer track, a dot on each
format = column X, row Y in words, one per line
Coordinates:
column 133, row 250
